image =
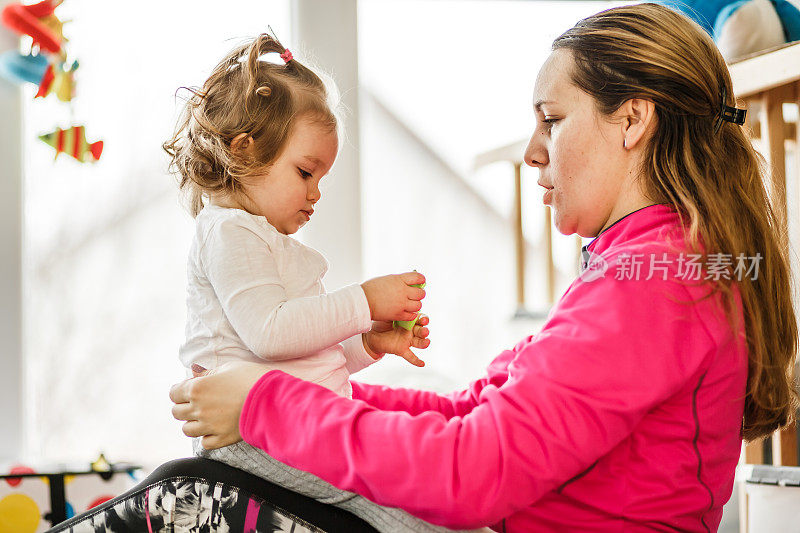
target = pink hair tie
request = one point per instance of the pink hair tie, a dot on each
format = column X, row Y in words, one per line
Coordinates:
column 286, row 56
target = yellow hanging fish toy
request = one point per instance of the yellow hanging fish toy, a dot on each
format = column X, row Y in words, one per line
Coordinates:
column 72, row 142
column 58, row 78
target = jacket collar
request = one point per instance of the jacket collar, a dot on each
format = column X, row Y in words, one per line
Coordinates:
column 629, row 227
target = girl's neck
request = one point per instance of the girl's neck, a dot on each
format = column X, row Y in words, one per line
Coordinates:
column 225, row 201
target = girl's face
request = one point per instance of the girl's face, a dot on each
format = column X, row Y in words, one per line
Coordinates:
column 285, row 195
column 582, row 163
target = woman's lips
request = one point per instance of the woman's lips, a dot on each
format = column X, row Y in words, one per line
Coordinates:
column 548, row 195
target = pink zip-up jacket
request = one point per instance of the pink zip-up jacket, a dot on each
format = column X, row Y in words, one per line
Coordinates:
column 623, row 414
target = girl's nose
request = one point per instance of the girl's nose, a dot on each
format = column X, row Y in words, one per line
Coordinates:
column 314, row 193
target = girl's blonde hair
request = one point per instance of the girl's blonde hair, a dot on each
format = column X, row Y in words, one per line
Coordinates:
column 712, row 178
column 243, row 94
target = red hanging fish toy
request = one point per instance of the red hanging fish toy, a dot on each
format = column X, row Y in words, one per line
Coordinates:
column 36, row 20
column 72, row 142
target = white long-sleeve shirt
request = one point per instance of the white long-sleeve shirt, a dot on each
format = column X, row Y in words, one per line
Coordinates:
column 255, row 294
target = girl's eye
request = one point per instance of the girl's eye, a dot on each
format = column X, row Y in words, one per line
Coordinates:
column 304, row 174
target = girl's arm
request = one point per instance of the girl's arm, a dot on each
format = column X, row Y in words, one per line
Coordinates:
column 611, row 352
column 356, row 355
column 244, row 274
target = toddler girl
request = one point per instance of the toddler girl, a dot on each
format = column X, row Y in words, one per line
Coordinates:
column 255, row 141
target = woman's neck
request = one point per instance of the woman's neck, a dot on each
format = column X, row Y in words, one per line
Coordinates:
column 625, row 206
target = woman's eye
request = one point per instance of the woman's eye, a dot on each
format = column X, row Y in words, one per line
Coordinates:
column 304, row 174
column 548, row 123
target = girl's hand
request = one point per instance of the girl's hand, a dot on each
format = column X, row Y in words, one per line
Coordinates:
column 212, row 403
column 383, row 338
column 393, row 298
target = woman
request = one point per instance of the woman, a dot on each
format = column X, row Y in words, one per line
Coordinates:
column 627, row 410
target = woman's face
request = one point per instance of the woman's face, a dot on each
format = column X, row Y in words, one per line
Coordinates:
column 582, row 163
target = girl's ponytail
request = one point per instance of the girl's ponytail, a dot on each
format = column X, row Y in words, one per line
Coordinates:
column 243, row 94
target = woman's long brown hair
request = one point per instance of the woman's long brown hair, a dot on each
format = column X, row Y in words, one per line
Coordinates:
column 713, row 178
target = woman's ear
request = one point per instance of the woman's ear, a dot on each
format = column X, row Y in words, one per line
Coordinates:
column 638, row 117
column 242, row 142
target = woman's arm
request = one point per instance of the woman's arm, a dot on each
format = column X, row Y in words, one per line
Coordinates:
column 415, row 402
column 611, row 352
column 244, row 274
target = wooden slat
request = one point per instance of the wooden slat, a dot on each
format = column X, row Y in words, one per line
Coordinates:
column 766, row 71
column 743, row 518
column 550, row 267
column 784, row 447
column 519, row 237
column 513, row 152
column 772, row 133
column 796, row 177
column 789, row 131
column 754, row 453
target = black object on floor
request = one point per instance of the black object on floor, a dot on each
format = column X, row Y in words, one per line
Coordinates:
column 205, row 495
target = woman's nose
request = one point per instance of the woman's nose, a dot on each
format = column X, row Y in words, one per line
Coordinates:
column 536, row 152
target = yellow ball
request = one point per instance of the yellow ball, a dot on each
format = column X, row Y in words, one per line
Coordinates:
column 18, row 514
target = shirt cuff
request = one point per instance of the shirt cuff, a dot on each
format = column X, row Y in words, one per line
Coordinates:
column 357, row 357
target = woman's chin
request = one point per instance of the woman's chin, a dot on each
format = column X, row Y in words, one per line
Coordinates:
column 565, row 227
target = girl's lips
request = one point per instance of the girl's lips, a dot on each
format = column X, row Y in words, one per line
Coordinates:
column 548, row 195
column 307, row 214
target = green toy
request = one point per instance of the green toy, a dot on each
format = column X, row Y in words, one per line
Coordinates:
column 408, row 324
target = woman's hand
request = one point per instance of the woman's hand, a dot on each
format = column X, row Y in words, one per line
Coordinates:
column 211, row 403
column 383, row 338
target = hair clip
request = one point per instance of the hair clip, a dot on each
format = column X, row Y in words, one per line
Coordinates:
column 286, row 56
column 729, row 114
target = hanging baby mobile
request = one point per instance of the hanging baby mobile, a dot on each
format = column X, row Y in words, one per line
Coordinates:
column 46, row 66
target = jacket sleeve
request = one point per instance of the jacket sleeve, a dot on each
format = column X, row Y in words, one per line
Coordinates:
column 415, row 402
column 611, row 351
column 243, row 272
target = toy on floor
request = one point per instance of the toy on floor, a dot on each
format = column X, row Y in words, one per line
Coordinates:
column 743, row 27
column 72, row 142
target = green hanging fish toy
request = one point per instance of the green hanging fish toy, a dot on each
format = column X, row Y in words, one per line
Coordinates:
column 72, row 142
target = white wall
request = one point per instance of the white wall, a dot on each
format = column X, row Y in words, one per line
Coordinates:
column 326, row 33
column 11, row 374
column 418, row 214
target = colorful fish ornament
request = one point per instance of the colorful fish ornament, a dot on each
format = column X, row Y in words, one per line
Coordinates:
column 58, row 78
column 23, row 68
column 52, row 78
column 38, row 21
column 72, row 142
